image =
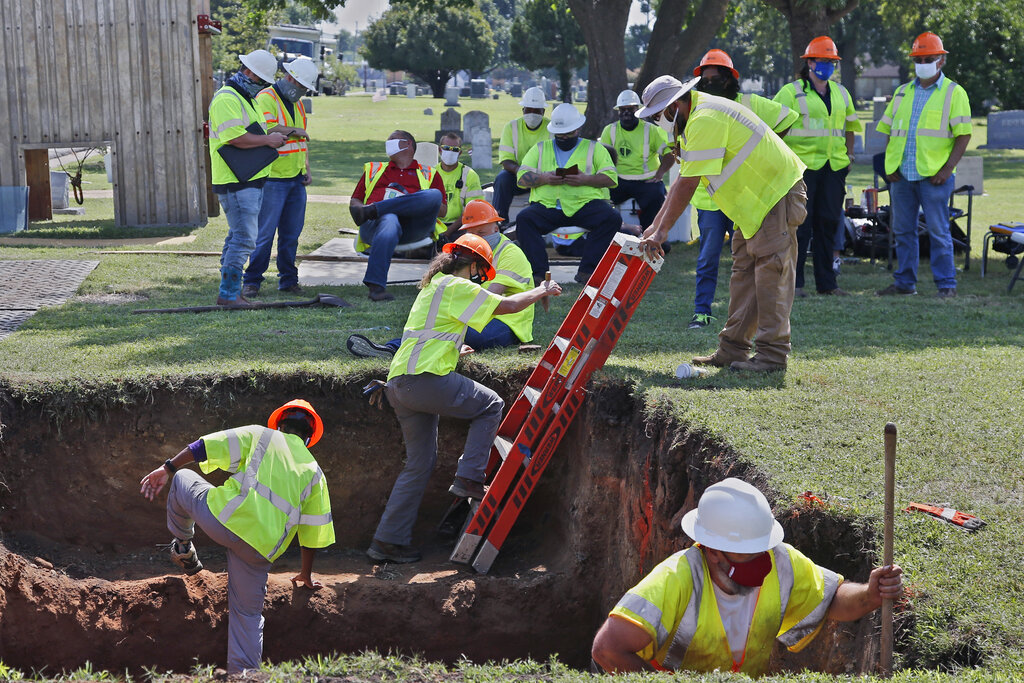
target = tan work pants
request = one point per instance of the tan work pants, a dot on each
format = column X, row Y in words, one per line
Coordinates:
column 762, row 284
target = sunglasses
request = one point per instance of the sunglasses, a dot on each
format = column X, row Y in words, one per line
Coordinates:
column 449, row 148
column 926, row 60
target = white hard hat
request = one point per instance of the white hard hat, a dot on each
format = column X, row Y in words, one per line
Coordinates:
column 565, row 119
column 628, row 98
column 261, row 63
column 735, row 517
column 533, row 98
column 304, row 70
column 663, row 91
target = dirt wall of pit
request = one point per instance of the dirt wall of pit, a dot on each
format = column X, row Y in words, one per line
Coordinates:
column 606, row 511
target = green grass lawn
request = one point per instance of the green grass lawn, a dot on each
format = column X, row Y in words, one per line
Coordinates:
column 949, row 374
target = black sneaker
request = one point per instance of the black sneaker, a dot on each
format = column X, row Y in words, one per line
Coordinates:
column 390, row 552
column 467, row 488
column 361, row 347
column 183, row 554
column 893, row 290
column 700, row 320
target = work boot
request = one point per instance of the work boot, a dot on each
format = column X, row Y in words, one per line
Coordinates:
column 799, row 293
column 378, row 293
column 250, row 290
column 294, row 289
column 390, row 552
column 581, row 277
column 893, row 290
column 467, row 488
column 756, row 364
column 361, row 347
column 362, row 212
column 240, row 302
column 946, row 293
column 183, row 554
column 834, row 292
column 716, row 359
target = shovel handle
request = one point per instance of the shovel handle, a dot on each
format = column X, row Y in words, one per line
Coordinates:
column 544, row 301
column 890, row 485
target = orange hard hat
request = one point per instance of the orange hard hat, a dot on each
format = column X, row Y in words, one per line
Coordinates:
column 821, row 47
column 926, row 45
column 716, row 57
column 475, row 246
column 479, row 212
column 299, row 404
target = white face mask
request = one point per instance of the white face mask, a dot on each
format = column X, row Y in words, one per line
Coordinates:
column 393, row 147
column 668, row 126
column 926, row 71
column 450, row 158
column 533, row 120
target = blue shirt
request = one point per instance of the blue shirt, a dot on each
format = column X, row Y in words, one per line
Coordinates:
column 908, row 167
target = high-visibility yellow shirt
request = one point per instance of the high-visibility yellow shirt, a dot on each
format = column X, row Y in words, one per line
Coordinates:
column 277, row 489
column 461, row 185
column 778, row 117
column 590, row 156
column 437, row 324
column 513, row 270
column 230, row 113
column 745, row 166
column 676, row 605
column 639, row 150
column 517, row 139
column 819, row 136
column 946, row 116
column 291, row 156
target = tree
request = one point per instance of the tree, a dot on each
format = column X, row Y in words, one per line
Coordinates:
column 674, row 49
column 757, row 39
column 501, row 26
column 808, row 19
column 244, row 30
column 546, row 36
column 865, row 38
column 432, row 43
column 638, row 36
column 603, row 23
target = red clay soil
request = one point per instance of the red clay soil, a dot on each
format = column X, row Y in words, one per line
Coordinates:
column 81, row 578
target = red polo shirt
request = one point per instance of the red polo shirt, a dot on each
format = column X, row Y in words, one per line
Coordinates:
column 406, row 177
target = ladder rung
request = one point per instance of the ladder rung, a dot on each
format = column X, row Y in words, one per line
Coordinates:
column 531, row 395
column 590, row 291
column 562, row 343
column 503, row 445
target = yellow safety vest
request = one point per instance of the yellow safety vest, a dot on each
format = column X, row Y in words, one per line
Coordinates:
column 513, row 270
column 458, row 196
column 516, row 139
column 230, row 114
column 291, row 159
column 819, row 136
column 746, row 167
column 946, row 115
column 587, row 155
column 372, row 173
column 437, row 324
column 276, row 489
column 778, row 116
column 634, row 149
column 676, row 605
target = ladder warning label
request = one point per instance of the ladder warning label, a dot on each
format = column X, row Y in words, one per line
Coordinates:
column 570, row 360
column 614, row 278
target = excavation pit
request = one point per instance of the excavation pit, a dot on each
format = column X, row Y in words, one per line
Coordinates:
column 82, row 579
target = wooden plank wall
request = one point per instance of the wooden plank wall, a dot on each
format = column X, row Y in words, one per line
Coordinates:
column 126, row 72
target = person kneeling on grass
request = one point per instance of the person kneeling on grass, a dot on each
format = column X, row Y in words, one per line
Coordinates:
column 423, row 385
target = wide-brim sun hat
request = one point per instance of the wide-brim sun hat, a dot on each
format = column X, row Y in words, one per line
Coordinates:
column 565, row 119
column 735, row 517
column 663, row 91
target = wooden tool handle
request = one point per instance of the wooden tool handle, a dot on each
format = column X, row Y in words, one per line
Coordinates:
column 544, row 301
column 890, row 485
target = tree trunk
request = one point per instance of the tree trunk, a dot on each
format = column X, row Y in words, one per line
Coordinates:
column 603, row 23
column 672, row 52
column 847, row 45
column 435, row 79
column 565, row 84
column 808, row 20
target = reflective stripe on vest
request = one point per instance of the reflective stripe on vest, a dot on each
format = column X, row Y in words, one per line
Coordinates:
column 502, row 245
column 646, row 173
column 945, row 125
column 230, row 123
column 757, row 131
column 375, row 169
column 428, row 332
column 283, row 119
column 589, row 169
column 807, row 131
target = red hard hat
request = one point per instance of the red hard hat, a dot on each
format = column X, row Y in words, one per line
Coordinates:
column 926, row 45
column 716, row 57
column 478, row 212
column 821, row 47
column 473, row 245
column 299, row 404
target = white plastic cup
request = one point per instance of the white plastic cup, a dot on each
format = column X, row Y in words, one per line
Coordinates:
column 687, row 371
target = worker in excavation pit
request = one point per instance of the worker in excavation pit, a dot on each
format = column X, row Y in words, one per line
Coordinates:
column 721, row 604
column 277, row 491
column 422, row 384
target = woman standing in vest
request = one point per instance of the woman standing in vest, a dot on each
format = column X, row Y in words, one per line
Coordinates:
column 823, row 139
column 423, row 385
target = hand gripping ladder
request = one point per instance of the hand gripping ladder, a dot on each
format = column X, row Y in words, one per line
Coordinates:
column 544, row 409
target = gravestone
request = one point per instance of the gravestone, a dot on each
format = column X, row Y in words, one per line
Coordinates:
column 428, row 111
column 478, row 88
column 874, row 142
column 516, row 90
column 410, row 90
column 481, row 141
column 59, row 188
column 1006, row 130
column 307, row 104
column 451, row 97
column 474, row 120
column 451, row 122
column 465, row 92
column 879, row 108
column 971, row 171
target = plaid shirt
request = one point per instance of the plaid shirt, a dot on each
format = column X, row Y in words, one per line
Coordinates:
column 908, row 167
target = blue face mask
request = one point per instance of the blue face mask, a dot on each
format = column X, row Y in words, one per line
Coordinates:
column 824, row 70
column 251, row 87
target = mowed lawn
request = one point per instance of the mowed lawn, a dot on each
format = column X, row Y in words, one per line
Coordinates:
column 950, row 374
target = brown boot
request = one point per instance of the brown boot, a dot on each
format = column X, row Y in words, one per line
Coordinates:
column 756, row 364
column 716, row 359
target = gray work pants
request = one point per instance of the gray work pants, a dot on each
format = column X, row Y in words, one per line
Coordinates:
column 418, row 401
column 247, row 569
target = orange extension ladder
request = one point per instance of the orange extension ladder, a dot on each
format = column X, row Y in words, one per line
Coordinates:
column 541, row 415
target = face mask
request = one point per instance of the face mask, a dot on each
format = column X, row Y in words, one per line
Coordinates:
column 493, row 239
column 668, row 125
column 628, row 119
column 751, row 573
column 289, row 90
column 251, row 87
column 926, row 71
column 565, row 144
column 712, row 86
column 477, row 278
column 532, row 120
column 824, row 70
column 393, row 147
column 450, row 158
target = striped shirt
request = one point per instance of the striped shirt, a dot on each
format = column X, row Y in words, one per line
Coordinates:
column 908, row 167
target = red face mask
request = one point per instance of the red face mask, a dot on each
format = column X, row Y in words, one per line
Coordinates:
column 752, row 572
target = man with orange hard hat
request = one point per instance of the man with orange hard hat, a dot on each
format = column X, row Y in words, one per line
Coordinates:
column 928, row 124
column 277, row 491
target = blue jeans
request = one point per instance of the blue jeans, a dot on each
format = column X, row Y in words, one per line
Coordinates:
column 401, row 220
column 283, row 212
column 505, row 188
column 713, row 225
column 649, row 197
column 599, row 219
column 907, row 196
column 242, row 210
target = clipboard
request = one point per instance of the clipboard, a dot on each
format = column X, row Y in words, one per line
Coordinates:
column 246, row 163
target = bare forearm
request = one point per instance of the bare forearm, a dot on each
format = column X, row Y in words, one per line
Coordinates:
column 250, row 140
column 598, row 180
column 183, row 458
column 620, row 662
column 959, row 147
column 517, row 302
column 531, row 179
column 679, row 196
column 510, row 166
column 852, row 601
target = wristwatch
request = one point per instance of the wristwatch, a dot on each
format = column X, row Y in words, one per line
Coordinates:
column 170, row 466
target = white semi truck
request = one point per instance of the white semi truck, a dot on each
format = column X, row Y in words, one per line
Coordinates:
column 289, row 41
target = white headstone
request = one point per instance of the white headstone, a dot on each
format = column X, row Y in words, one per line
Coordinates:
column 1006, row 130
column 971, row 171
column 59, row 185
column 481, row 141
column 874, row 142
column 879, row 107
column 474, row 120
column 451, row 97
column 410, row 90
